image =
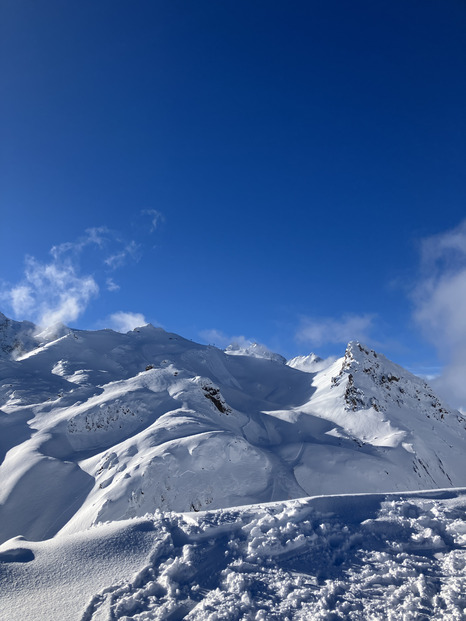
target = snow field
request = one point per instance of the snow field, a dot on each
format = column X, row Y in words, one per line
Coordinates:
column 368, row 556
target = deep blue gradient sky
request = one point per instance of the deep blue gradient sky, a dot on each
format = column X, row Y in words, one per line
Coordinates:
column 298, row 153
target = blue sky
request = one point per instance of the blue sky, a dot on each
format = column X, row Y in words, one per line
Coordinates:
column 264, row 169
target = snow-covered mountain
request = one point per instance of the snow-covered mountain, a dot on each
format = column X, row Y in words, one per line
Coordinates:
column 99, row 426
column 125, row 459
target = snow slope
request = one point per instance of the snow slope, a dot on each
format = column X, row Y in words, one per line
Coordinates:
column 100, row 426
column 369, row 556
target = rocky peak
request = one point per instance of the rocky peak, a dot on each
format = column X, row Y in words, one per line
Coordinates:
column 373, row 381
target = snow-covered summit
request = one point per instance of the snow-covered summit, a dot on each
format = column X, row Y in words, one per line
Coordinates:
column 309, row 364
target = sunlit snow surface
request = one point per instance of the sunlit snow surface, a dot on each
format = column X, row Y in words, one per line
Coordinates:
column 358, row 557
column 125, row 460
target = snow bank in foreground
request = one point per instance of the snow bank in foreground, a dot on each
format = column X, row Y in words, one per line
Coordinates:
column 370, row 556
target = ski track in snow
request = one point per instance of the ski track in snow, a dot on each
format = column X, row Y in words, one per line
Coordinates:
column 359, row 557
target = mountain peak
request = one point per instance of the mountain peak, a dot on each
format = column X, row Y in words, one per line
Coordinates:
column 374, row 381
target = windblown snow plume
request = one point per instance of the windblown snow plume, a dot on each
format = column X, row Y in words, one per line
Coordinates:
column 123, row 321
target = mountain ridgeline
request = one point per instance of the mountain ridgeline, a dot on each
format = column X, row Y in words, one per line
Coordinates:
column 98, row 426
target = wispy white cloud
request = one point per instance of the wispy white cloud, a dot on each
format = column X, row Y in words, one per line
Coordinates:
column 440, row 307
column 21, row 299
column 446, row 249
column 57, row 289
column 118, row 259
column 155, row 216
column 97, row 236
column 112, row 285
column 319, row 331
column 125, row 321
column 51, row 292
column 215, row 337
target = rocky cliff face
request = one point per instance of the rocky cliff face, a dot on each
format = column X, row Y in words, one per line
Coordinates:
column 16, row 337
column 374, row 381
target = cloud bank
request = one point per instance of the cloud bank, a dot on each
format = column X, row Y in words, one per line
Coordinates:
column 440, row 308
